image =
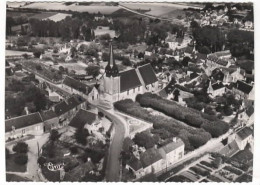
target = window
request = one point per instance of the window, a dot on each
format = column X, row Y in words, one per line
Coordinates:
column 180, row 155
column 92, row 97
column 23, row 131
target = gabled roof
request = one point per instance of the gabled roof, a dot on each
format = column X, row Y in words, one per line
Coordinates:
column 217, row 85
column 134, row 163
column 150, row 156
column 75, row 84
column 244, row 87
column 250, row 111
column 148, row 74
column 193, row 75
column 129, row 80
column 47, row 115
column 68, row 104
column 82, row 117
column 244, row 133
column 172, row 146
column 22, row 121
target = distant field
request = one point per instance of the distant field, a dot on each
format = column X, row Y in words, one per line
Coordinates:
column 43, row 15
column 79, row 67
column 73, row 7
column 14, row 53
column 58, row 17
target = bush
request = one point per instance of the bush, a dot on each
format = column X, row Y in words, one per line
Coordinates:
column 37, row 53
column 41, row 160
column 74, row 150
column 205, row 163
column 54, row 135
column 217, row 162
column 21, row 147
column 144, row 139
column 200, row 171
column 21, row 159
column 81, row 136
column 7, row 153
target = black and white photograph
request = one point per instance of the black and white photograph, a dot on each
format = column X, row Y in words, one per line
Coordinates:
column 129, row 91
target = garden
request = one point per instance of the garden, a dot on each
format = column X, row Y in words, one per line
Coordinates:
column 78, row 163
column 17, row 161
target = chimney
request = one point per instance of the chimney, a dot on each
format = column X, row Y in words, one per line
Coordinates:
column 174, row 139
column 26, row 110
column 89, row 159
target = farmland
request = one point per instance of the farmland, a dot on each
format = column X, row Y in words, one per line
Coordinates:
column 73, row 7
column 16, row 53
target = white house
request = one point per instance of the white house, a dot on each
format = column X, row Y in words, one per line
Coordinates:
column 244, row 137
column 216, row 89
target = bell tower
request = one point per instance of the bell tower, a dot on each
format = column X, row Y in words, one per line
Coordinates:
column 111, row 81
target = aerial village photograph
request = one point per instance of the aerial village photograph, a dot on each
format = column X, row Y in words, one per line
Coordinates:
column 129, row 92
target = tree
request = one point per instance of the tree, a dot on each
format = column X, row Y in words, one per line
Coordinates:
column 92, row 70
column 7, row 153
column 22, row 41
column 74, row 150
column 185, row 61
column 25, row 56
column 217, row 162
column 37, row 53
column 54, row 135
column 144, row 139
column 81, row 135
column 21, row 147
column 41, row 161
column 126, row 62
column 21, row 159
column 204, row 50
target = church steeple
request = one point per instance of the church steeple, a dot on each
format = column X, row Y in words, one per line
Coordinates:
column 111, row 71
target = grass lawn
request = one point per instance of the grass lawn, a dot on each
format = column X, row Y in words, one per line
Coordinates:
column 15, row 178
column 11, row 166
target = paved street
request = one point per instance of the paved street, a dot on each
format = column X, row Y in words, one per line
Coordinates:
column 113, row 163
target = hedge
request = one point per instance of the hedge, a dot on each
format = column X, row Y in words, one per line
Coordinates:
column 200, row 171
column 205, row 163
column 192, row 137
column 233, row 170
column 188, row 115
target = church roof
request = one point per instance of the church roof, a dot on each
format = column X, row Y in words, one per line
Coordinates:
column 147, row 74
column 129, row 80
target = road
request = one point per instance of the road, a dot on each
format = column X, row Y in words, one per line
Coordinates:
column 113, row 162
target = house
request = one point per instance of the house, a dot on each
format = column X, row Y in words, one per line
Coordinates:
column 115, row 85
column 172, row 152
column 152, row 161
column 217, row 74
column 232, row 74
column 74, row 86
column 134, row 166
column 244, row 137
column 66, row 109
column 242, row 90
column 148, row 51
column 50, row 120
column 31, row 124
column 216, row 89
column 247, row 116
column 103, row 30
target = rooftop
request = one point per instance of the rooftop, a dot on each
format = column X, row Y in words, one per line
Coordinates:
column 81, row 118
column 244, row 133
column 150, row 156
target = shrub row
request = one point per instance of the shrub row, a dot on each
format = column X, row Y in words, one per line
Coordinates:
column 233, row 170
column 190, row 116
column 205, row 163
column 199, row 171
column 192, row 137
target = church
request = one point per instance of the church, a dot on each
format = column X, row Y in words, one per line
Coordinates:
column 115, row 85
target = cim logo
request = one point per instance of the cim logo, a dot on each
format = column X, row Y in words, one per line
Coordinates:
column 54, row 167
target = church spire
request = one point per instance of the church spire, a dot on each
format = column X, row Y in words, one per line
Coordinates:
column 111, row 71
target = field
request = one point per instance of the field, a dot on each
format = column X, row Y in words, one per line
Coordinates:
column 58, row 17
column 78, row 67
column 73, row 7
column 15, row 53
column 42, row 15
column 156, row 9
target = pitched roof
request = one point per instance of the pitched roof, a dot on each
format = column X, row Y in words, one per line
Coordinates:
column 244, row 87
column 172, row 146
column 217, row 85
column 244, row 133
column 68, row 104
column 22, row 121
column 82, row 117
column 150, row 156
column 193, row 75
column 250, row 111
column 148, row 74
column 129, row 80
column 201, row 56
column 75, row 84
column 134, row 163
column 49, row 114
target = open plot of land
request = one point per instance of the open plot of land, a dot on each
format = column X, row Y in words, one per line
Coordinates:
column 16, row 53
column 73, row 7
column 43, row 15
column 79, row 67
column 58, row 17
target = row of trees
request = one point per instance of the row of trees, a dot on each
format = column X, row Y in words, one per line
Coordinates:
column 192, row 137
column 190, row 116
